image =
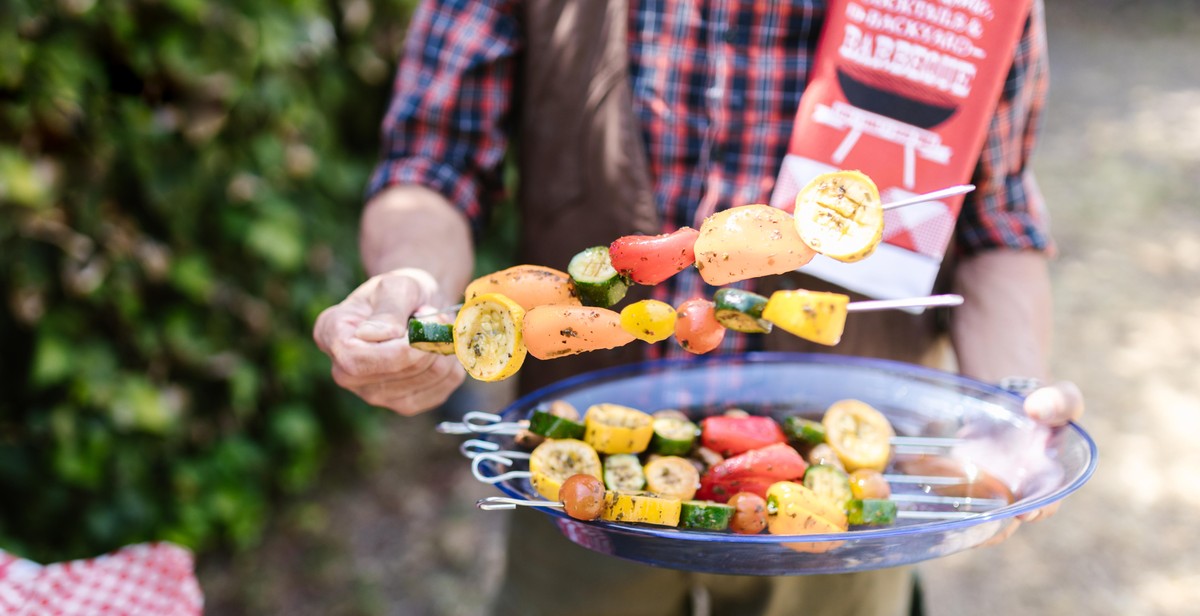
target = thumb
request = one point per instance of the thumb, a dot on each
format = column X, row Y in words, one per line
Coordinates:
column 1056, row 404
column 396, row 296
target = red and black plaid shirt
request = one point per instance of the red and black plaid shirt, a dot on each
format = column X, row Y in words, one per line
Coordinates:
column 716, row 85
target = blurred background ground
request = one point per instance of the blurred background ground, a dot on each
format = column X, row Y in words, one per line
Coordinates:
column 1120, row 166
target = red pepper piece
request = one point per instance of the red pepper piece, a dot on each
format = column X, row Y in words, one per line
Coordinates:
column 753, row 471
column 732, row 435
column 651, row 259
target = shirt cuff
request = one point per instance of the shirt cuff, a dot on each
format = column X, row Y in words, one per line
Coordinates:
column 1012, row 216
column 462, row 193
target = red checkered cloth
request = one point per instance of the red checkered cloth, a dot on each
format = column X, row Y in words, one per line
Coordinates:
column 145, row 579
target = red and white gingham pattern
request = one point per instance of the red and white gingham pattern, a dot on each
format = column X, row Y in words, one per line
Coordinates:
column 145, row 579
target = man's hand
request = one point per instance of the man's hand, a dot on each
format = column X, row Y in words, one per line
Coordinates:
column 1051, row 406
column 366, row 337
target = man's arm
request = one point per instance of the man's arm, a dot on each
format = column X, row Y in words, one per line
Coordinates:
column 417, row 249
column 412, row 226
column 1003, row 328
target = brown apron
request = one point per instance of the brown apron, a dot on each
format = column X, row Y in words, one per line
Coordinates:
column 584, row 182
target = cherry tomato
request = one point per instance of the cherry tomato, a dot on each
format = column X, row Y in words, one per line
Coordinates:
column 649, row 320
column 696, row 326
column 824, row 454
column 869, row 483
column 582, row 497
column 730, row 434
column 749, row 513
column 651, row 259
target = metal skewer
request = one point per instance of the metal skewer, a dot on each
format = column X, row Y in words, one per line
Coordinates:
column 931, row 196
column 929, row 301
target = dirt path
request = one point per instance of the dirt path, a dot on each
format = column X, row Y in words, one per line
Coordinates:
column 1120, row 166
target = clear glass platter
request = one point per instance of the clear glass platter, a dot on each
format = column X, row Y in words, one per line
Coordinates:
column 1039, row 465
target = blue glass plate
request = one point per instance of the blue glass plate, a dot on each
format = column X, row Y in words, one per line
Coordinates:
column 1041, row 466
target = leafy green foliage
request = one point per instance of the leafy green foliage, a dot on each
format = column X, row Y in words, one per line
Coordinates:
column 180, row 183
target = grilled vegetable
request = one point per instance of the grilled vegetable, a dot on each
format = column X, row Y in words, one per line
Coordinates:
column 554, row 461
column 730, row 435
column 812, row 315
column 612, row 428
column 830, row 483
column 871, row 512
column 741, row 311
column 804, row 430
column 859, row 434
column 651, row 259
column 869, row 483
column 649, row 320
column 672, row 436
column 623, row 471
column 557, row 331
column 840, row 215
column 527, row 285
column 641, row 508
column 705, row 515
column 697, row 328
column 749, row 513
column 793, row 509
column 595, row 280
column 549, row 425
column 431, row 335
column 749, row 241
column 582, row 497
column 753, row 471
column 488, row 337
column 672, row 476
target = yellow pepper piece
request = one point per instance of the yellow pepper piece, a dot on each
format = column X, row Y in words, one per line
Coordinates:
column 612, row 428
column 793, row 509
column 649, row 320
column 641, row 508
column 812, row 315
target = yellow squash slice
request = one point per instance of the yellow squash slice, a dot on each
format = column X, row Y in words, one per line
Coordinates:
column 840, row 215
column 641, row 508
column 860, row 435
column 556, row 460
column 487, row 337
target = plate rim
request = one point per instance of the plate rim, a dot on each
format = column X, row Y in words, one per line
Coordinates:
column 765, row 357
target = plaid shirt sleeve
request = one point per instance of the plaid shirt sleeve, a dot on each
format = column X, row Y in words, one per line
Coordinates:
column 446, row 127
column 1006, row 209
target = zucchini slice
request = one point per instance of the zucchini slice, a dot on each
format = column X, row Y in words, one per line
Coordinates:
column 550, row 425
column 431, row 336
column 741, row 311
column 705, row 515
column 830, row 483
column 673, row 436
column 803, row 430
column 871, row 512
column 595, row 279
column 623, row 471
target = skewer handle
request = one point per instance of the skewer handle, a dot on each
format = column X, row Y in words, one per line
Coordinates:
column 931, row 196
